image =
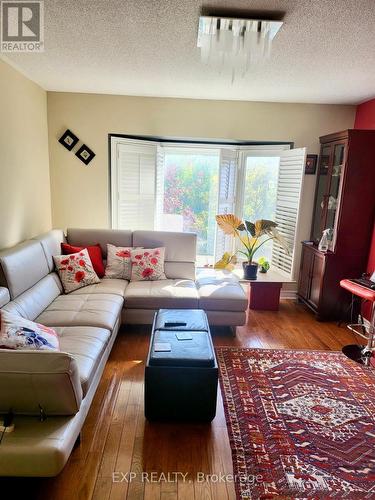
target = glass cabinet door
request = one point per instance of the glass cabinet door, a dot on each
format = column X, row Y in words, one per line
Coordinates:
column 321, row 197
column 333, row 197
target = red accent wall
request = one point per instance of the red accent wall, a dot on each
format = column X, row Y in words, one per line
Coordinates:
column 371, row 259
column 365, row 119
column 365, row 116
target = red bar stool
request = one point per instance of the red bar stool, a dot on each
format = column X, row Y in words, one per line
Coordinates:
column 361, row 353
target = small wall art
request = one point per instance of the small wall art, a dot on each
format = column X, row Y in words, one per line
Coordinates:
column 68, row 140
column 85, row 154
column 310, row 165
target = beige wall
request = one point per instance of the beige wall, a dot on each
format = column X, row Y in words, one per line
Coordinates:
column 80, row 193
column 25, row 203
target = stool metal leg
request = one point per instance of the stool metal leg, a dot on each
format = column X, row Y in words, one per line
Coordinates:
column 367, row 351
column 362, row 353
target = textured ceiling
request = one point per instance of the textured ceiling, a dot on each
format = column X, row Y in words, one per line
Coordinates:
column 325, row 51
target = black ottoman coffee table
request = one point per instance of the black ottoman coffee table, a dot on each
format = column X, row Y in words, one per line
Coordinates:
column 181, row 374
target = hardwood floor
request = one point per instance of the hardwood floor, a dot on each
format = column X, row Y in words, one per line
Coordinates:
column 116, row 439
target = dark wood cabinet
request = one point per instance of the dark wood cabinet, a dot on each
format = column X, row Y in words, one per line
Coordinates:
column 304, row 285
column 317, row 270
column 312, row 286
column 344, row 203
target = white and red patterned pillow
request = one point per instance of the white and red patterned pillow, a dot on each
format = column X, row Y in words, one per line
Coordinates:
column 22, row 334
column 148, row 264
column 118, row 262
column 75, row 270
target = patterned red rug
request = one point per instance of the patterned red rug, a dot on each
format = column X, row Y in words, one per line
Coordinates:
column 301, row 423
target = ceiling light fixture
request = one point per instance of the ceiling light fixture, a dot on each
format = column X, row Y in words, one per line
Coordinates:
column 235, row 43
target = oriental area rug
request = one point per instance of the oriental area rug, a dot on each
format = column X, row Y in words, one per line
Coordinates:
column 301, row 424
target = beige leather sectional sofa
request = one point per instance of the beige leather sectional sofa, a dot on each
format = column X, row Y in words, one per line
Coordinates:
column 51, row 392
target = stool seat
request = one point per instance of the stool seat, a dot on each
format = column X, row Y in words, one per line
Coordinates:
column 359, row 290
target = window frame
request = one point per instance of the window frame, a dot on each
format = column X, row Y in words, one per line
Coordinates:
column 244, row 149
column 253, row 151
column 245, row 146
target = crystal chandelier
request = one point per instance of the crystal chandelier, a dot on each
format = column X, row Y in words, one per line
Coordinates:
column 235, row 43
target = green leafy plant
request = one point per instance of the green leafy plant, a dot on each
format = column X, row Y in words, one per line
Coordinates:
column 252, row 235
column 264, row 265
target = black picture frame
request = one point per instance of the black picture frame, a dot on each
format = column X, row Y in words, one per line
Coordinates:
column 68, row 140
column 85, row 154
column 310, row 165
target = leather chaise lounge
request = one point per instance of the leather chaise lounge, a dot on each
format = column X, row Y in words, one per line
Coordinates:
column 60, row 386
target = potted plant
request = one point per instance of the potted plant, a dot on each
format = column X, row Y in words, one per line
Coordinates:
column 264, row 265
column 252, row 235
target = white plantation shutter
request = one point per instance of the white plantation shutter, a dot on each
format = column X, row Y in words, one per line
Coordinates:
column 289, row 188
column 227, row 195
column 159, row 204
column 133, row 186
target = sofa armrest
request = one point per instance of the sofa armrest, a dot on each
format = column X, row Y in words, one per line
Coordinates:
column 30, row 380
column 4, row 296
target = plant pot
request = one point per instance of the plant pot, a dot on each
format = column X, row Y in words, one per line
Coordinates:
column 250, row 270
column 262, row 270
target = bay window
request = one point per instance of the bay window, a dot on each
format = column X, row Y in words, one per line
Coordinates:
column 182, row 186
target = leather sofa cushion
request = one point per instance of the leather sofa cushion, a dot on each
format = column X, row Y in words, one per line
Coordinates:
column 220, row 292
column 22, row 267
column 51, row 242
column 183, row 270
column 180, row 251
column 97, row 309
column 180, row 247
column 35, row 300
column 222, row 297
column 4, row 296
column 29, row 379
column 146, row 317
column 108, row 286
column 163, row 294
column 86, row 345
column 85, row 237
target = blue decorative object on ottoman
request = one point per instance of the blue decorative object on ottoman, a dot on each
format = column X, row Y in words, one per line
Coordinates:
column 181, row 374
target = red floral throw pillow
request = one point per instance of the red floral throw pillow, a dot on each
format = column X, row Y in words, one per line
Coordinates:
column 148, row 264
column 75, row 270
column 118, row 262
column 95, row 254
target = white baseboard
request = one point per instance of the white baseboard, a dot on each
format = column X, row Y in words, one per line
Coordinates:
column 288, row 295
column 289, row 291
